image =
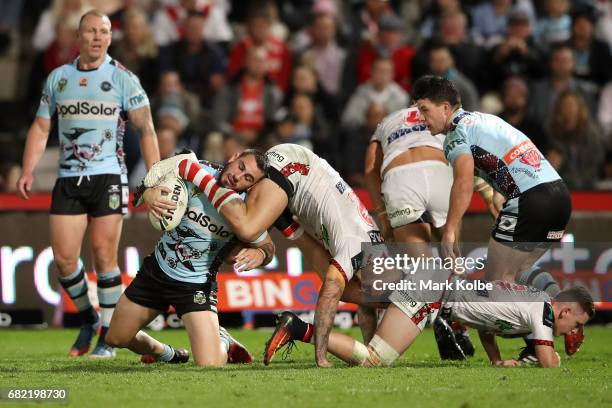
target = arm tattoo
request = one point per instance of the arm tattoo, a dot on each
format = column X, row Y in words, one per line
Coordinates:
column 367, row 322
column 330, row 294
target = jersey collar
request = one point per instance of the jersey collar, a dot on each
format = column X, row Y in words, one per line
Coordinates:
column 107, row 60
column 457, row 116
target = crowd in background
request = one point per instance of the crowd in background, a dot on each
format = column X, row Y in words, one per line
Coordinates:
column 225, row 75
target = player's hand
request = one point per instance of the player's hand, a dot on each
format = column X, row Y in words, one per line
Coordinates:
column 324, row 363
column 24, row 185
column 507, row 363
column 155, row 199
column 385, row 226
column 448, row 244
column 248, row 258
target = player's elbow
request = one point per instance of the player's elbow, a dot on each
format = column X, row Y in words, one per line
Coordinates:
column 244, row 232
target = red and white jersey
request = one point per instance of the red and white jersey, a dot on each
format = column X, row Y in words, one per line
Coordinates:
column 324, row 204
column 403, row 130
column 508, row 310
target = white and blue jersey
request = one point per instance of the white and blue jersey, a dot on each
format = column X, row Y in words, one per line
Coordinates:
column 193, row 251
column 503, row 156
column 91, row 107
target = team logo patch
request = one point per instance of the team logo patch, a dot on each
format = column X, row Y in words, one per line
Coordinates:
column 548, row 316
column 507, row 223
column 83, row 82
column 199, row 297
column 503, row 325
column 412, row 117
column 341, row 187
column 532, row 158
column 105, row 86
column 293, row 167
column 61, row 85
column 114, row 200
column 363, row 211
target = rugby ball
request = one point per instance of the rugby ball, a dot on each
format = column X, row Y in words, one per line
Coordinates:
column 178, row 195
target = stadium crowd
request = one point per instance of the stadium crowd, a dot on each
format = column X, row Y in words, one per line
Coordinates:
column 224, row 75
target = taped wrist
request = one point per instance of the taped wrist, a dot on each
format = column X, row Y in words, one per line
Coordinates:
column 218, row 196
column 287, row 226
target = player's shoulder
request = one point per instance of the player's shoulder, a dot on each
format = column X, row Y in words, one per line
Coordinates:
column 62, row 72
column 464, row 120
column 121, row 73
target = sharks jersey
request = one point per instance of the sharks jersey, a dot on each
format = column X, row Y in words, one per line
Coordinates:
column 194, row 250
column 91, row 108
column 503, row 155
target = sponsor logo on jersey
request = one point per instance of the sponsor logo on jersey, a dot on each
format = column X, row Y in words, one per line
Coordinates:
column 83, row 82
column 275, row 155
column 80, row 110
column 421, row 127
column 105, row 86
column 555, row 234
column 362, row 210
column 45, row 99
column 205, row 222
column 135, row 100
column 295, row 167
column 548, row 316
column 61, row 84
column 403, row 212
column 375, row 237
column 503, row 325
column 412, row 117
column 526, row 152
column 357, row 261
column 507, row 223
column 341, row 186
column 452, row 144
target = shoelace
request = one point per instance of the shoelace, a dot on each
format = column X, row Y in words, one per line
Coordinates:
column 288, row 350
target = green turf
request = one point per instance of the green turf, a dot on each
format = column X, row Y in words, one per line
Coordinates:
column 37, row 359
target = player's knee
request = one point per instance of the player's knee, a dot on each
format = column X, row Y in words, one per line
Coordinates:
column 380, row 353
column 66, row 265
column 209, row 361
column 114, row 339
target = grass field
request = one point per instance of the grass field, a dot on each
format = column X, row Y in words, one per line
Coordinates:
column 37, row 359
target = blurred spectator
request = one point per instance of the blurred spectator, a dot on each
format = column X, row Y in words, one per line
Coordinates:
column 489, row 21
column 555, row 25
column 137, row 50
column 117, row 17
column 324, row 53
column 388, row 44
column 171, row 115
column 356, row 143
column 518, row 54
column 438, row 8
column 170, row 85
column 603, row 26
column 453, row 33
column 442, row 63
column 200, row 65
column 592, row 56
column 379, row 89
column 305, row 81
column 166, row 139
column 246, row 105
column 515, row 94
column 168, row 21
column 64, row 48
column 604, row 115
column 44, row 34
column 576, row 147
column 233, row 144
column 10, row 22
column 259, row 35
column 365, row 26
column 545, row 91
column 311, row 129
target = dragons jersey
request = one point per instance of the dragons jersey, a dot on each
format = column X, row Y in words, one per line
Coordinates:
column 194, row 250
column 508, row 310
column 91, row 108
column 403, row 130
column 503, row 155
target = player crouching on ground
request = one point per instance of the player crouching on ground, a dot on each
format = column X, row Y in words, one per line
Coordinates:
column 182, row 273
column 529, row 311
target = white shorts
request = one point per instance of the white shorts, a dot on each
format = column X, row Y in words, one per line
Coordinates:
column 421, row 313
column 412, row 189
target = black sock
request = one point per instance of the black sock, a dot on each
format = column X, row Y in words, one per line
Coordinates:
column 88, row 316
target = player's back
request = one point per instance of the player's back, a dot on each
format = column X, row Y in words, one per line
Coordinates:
column 403, row 130
column 503, row 155
column 194, row 250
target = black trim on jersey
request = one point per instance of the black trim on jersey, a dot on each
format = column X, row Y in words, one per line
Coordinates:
column 281, row 181
column 76, row 65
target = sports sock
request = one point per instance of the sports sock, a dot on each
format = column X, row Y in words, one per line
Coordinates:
column 302, row 331
column 109, row 291
column 225, row 339
column 540, row 279
column 75, row 285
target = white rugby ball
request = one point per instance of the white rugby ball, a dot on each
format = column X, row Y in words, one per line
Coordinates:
column 178, row 195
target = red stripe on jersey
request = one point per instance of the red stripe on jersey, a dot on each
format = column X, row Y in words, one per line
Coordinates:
column 182, row 167
column 213, row 190
column 337, row 265
column 543, row 343
column 223, row 197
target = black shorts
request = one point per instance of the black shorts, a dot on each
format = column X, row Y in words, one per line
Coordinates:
column 98, row 195
column 537, row 216
column 154, row 289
